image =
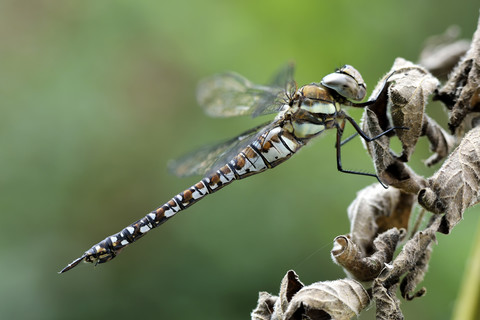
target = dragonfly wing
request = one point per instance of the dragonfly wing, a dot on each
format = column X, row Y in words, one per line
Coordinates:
column 230, row 94
column 283, row 76
column 282, row 79
column 209, row 158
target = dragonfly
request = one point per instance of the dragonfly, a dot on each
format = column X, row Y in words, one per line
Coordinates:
column 302, row 114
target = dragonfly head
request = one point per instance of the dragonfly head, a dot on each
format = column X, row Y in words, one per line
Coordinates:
column 347, row 82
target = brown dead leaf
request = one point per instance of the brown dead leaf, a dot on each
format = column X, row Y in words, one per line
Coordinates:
column 388, row 167
column 456, row 185
column 410, row 87
column 388, row 305
column 441, row 143
column 412, row 260
column 339, row 299
column 464, row 81
column 346, row 254
column 264, row 308
column 414, row 277
column 378, row 149
column 404, row 91
column 290, row 285
column 270, row 307
column 376, row 210
column 401, row 97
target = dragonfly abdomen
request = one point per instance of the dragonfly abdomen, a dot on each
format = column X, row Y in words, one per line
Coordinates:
column 271, row 148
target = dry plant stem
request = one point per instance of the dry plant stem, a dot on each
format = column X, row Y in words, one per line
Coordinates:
column 468, row 306
column 418, row 221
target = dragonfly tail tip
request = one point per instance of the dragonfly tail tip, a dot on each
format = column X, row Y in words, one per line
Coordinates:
column 72, row 265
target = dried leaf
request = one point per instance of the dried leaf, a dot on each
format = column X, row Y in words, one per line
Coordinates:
column 456, row 185
column 411, row 257
column 411, row 85
column 411, row 252
column 414, row 277
column 264, row 308
column 354, row 262
column 272, row 307
column 405, row 90
column 441, row 143
column 442, row 52
column 378, row 149
column 458, row 92
column 399, row 216
column 389, row 168
column 376, row 210
column 339, row 299
column 290, row 285
column 388, row 305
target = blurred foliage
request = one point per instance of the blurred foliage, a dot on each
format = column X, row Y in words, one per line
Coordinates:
column 97, row 96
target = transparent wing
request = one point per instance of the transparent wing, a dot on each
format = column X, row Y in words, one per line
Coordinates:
column 284, row 76
column 230, row 94
column 209, row 158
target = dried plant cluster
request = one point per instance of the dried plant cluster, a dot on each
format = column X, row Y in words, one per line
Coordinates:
column 379, row 218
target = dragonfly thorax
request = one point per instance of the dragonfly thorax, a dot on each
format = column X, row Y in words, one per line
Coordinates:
column 315, row 98
column 312, row 110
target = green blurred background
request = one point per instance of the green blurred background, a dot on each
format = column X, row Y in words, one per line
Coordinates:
column 97, row 96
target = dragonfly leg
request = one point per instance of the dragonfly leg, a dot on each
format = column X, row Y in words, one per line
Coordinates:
column 339, row 143
column 364, row 135
column 349, row 138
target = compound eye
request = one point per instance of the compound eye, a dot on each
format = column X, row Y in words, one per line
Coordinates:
column 347, row 82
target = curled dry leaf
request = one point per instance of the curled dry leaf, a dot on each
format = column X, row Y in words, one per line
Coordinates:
column 290, row 285
column 348, row 255
column 270, row 307
column 376, row 210
column 414, row 277
column 388, row 305
column 441, row 143
column 462, row 86
column 412, row 261
column 264, row 308
column 339, row 299
column 456, row 185
column 389, row 168
column 410, row 87
column 376, row 215
column 404, row 90
column 401, row 96
column 442, row 52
